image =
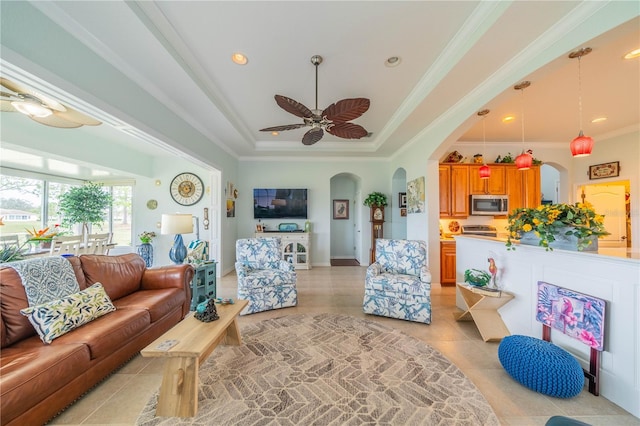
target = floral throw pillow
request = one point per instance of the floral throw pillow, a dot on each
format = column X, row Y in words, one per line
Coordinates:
column 53, row 319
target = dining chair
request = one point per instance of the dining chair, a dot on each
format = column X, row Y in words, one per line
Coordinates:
column 97, row 244
column 61, row 244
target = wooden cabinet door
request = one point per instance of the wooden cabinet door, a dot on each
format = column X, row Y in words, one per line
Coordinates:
column 514, row 187
column 531, row 182
column 523, row 187
column 448, row 263
column 444, row 173
column 476, row 185
column 494, row 185
column 459, row 191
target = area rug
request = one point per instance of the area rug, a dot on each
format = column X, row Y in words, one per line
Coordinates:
column 330, row 369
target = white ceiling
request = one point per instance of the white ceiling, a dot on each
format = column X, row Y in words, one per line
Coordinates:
column 456, row 58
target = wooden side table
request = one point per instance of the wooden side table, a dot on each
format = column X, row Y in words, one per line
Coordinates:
column 184, row 347
column 482, row 308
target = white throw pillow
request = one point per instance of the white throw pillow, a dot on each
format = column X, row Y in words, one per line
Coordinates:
column 53, row 319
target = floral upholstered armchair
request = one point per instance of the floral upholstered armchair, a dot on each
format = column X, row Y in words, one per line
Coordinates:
column 264, row 279
column 398, row 283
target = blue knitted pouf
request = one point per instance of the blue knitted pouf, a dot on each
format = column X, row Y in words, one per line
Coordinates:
column 541, row 366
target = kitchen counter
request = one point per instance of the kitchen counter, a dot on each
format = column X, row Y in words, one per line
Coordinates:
column 609, row 274
column 621, row 252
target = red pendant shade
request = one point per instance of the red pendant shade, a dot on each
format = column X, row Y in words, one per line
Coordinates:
column 582, row 145
column 484, row 171
column 524, row 161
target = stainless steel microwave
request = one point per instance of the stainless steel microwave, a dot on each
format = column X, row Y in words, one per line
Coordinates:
column 491, row 205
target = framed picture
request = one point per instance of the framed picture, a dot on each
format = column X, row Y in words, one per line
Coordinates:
column 604, row 170
column 403, row 212
column 402, row 199
column 341, row 209
column 259, row 228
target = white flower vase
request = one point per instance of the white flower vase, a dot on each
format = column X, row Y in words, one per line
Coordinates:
column 562, row 241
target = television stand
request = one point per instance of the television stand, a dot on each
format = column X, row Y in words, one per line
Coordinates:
column 296, row 247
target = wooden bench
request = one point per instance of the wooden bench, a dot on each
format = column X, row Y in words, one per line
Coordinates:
column 185, row 346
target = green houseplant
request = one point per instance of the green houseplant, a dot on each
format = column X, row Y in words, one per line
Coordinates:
column 375, row 199
column 86, row 204
column 552, row 222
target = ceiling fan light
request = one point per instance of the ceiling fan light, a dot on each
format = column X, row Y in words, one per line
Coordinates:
column 31, row 108
column 524, row 161
column 484, row 171
column 582, row 145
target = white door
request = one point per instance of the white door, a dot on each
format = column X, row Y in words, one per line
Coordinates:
column 608, row 200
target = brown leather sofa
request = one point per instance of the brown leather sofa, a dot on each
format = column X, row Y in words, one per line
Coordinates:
column 37, row 381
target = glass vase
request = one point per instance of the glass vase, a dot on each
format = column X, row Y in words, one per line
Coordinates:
column 145, row 250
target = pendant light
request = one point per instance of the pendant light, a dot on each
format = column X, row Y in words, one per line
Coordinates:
column 524, row 160
column 582, row 145
column 484, row 170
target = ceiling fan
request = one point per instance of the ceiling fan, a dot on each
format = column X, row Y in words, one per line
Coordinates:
column 334, row 119
column 39, row 107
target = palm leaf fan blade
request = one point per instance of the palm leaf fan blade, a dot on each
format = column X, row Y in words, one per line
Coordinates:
column 292, row 106
column 284, row 127
column 346, row 109
column 312, row 136
column 347, row 130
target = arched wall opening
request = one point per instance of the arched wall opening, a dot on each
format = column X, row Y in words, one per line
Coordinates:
column 345, row 228
column 398, row 212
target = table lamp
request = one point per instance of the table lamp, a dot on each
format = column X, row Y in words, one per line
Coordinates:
column 178, row 224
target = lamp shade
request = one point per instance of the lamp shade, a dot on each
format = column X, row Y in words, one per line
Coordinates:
column 524, row 161
column 484, row 171
column 582, row 145
column 176, row 223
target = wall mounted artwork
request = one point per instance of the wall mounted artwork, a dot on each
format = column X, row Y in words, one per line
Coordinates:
column 415, row 195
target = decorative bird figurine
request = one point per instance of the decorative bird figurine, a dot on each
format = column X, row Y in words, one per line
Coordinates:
column 493, row 269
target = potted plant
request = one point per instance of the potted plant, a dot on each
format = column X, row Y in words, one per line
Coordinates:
column 557, row 225
column 11, row 253
column 145, row 250
column 146, row 237
column 44, row 236
column 86, row 204
column 375, row 199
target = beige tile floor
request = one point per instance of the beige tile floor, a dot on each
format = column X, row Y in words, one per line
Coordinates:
column 119, row 399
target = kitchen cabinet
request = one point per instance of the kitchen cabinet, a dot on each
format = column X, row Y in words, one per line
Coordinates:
column 523, row 187
column 448, row 263
column 494, row 185
column 454, row 190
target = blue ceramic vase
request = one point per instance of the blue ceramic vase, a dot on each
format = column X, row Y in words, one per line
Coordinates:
column 145, row 250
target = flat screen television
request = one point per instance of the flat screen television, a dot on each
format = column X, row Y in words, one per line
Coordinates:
column 277, row 203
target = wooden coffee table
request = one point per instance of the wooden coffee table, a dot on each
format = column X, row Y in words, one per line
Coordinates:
column 185, row 346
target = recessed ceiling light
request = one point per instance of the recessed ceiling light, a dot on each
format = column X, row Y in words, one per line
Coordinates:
column 275, row 133
column 239, row 58
column 633, row 54
column 393, row 61
column 599, row 119
column 508, row 118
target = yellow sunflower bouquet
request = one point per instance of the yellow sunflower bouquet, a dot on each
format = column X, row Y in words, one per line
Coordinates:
column 548, row 221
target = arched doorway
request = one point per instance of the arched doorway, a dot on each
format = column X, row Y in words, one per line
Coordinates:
column 398, row 215
column 345, row 229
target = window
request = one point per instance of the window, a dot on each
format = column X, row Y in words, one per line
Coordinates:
column 28, row 203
